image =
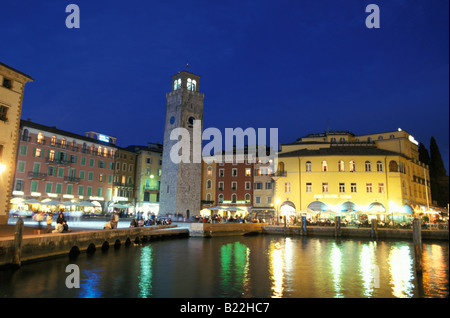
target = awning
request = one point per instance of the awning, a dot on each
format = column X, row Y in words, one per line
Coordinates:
column 32, row 201
column 317, row 206
column 51, row 202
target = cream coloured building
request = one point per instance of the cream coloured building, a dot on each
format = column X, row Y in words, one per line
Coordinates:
column 12, row 86
column 339, row 172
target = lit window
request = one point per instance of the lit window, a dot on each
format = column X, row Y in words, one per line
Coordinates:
column 352, row 166
column 40, row 138
column 51, row 155
column 177, row 84
column 209, row 173
column 324, row 166
column 37, row 152
column 191, row 84
column 341, row 167
column 63, row 143
column 248, row 172
column 287, row 187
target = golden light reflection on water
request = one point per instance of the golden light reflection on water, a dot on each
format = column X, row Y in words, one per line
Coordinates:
column 336, row 269
column 435, row 274
column 401, row 271
column 276, row 271
column 368, row 268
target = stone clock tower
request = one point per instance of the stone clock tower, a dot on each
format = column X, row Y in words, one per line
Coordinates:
column 180, row 191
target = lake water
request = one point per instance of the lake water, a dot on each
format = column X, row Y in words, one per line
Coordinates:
column 261, row 266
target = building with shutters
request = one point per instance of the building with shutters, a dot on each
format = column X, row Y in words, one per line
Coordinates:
column 56, row 164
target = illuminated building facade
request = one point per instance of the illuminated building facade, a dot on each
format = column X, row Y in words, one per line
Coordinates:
column 209, row 173
column 338, row 172
column 181, row 179
column 56, row 164
column 147, row 176
column 124, row 176
column 12, row 87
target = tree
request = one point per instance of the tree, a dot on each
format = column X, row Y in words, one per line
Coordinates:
column 438, row 175
column 423, row 155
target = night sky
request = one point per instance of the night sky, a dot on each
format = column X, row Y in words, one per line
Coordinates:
column 299, row 66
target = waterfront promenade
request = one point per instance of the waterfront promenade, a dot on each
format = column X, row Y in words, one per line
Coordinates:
column 89, row 235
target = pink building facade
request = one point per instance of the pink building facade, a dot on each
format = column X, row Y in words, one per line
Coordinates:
column 63, row 166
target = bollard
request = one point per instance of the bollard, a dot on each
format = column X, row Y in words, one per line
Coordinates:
column 374, row 229
column 337, row 226
column 18, row 236
column 303, row 218
column 417, row 240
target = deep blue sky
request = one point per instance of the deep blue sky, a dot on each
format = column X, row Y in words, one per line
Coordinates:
column 300, row 66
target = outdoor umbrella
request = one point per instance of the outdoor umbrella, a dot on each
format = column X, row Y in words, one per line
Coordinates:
column 51, row 202
column 32, row 201
column 86, row 203
column 117, row 205
column 70, row 203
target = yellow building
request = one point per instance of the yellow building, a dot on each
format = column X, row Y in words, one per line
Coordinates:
column 338, row 173
column 12, row 86
column 148, row 176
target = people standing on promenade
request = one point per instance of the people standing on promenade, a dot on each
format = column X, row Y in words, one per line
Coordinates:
column 114, row 220
column 49, row 222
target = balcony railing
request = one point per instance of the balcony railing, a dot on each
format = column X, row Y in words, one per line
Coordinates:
column 123, row 184
column 62, row 162
column 72, row 179
column 36, row 175
column 150, row 188
column 279, row 174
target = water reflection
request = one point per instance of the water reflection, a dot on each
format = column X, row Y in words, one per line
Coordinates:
column 368, row 269
column 234, row 261
column 261, row 266
column 401, row 270
column 276, row 271
column 435, row 283
column 336, row 268
column 145, row 277
column 90, row 280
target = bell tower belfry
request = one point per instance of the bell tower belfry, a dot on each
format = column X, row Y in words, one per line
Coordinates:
column 180, row 191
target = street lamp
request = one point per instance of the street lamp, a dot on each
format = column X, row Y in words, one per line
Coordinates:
column 277, row 204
